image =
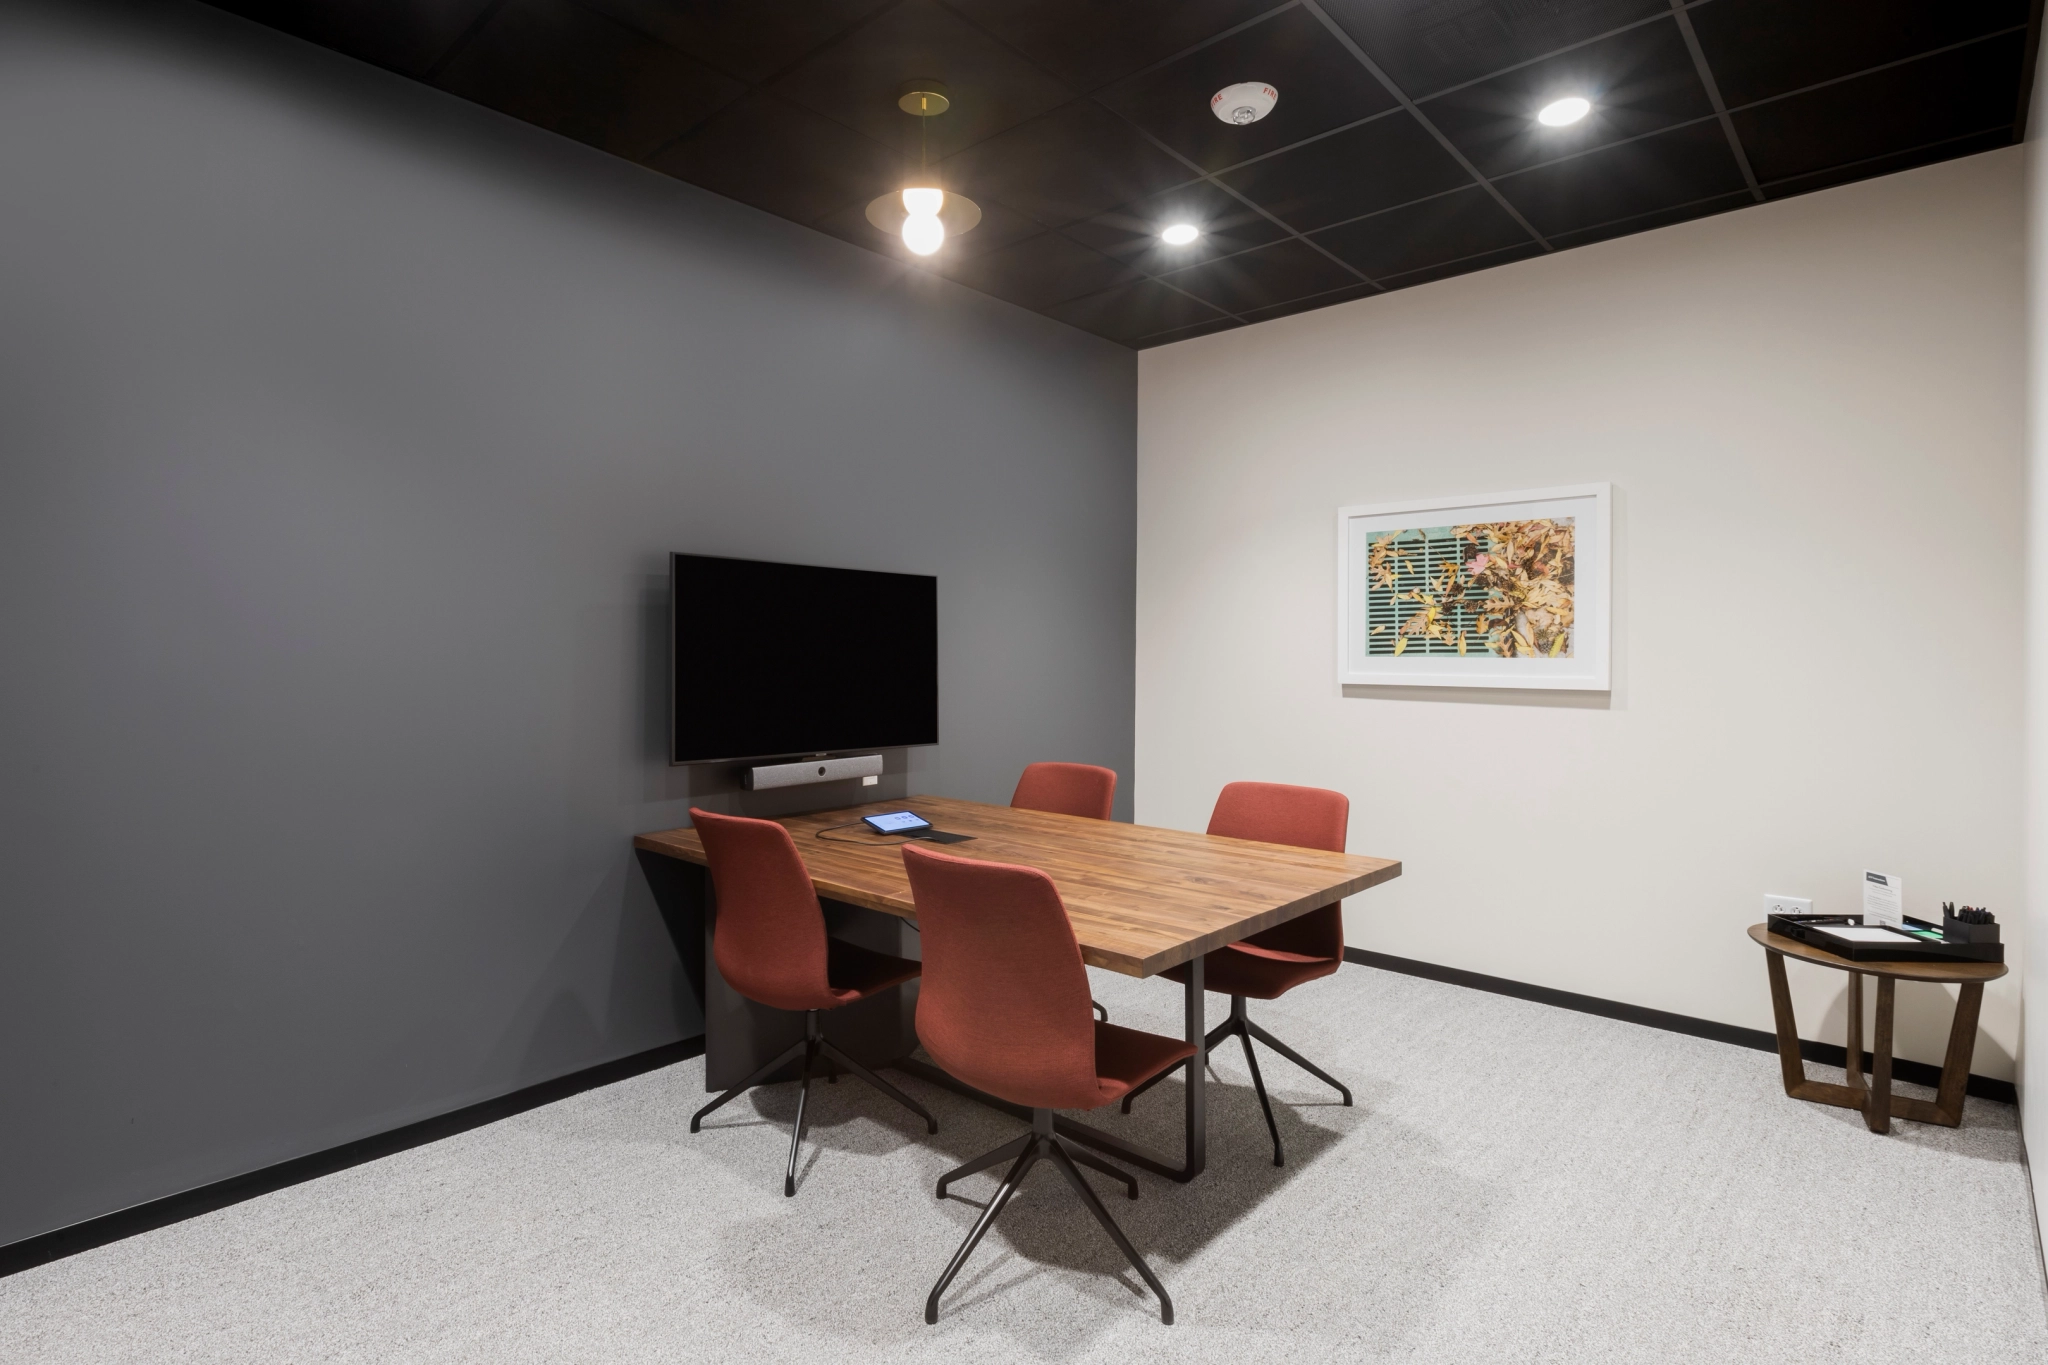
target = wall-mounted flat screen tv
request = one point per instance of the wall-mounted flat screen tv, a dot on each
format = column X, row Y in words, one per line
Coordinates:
column 789, row 660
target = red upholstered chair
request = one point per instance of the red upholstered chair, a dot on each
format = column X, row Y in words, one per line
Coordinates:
column 1273, row 962
column 770, row 943
column 1067, row 789
column 1004, row 1007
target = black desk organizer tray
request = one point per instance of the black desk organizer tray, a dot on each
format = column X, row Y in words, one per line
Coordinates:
column 1813, row 930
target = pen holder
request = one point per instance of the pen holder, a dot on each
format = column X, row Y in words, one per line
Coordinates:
column 1955, row 931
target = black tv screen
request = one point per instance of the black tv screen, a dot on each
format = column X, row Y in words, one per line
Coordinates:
column 786, row 660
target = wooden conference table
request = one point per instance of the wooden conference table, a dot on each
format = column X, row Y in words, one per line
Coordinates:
column 1140, row 899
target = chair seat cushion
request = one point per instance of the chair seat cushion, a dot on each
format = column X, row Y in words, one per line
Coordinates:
column 1260, row 973
column 856, row 972
column 1125, row 1058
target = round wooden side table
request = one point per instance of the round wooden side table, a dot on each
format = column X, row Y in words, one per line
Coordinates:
column 1879, row 1105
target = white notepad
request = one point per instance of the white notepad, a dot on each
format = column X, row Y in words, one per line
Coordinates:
column 1868, row 933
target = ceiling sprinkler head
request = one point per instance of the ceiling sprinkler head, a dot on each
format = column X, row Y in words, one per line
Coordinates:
column 1245, row 102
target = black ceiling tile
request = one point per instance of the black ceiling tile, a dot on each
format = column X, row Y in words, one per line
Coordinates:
column 1200, row 329
column 1312, row 302
column 1258, row 279
column 1131, row 311
column 1657, row 172
column 1469, row 265
column 1039, row 272
column 1968, row 90
column 1071, row 164
column 1448, row 228
column 1075, row 187
column 999, row 226
column 1638, row 81
column 786, row 160
column 1131, row 233
column 857, row 80
column 750, row 39
column 1760, row 48
column 407, row 36
column 1087, row 43
column 1361, row 170
column 1644, row 222
column 1886, row 165
column 1427, row 45
column 1321, row 86
column 555, row 64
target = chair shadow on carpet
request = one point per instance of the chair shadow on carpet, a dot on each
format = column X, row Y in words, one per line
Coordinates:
column 1046, row 1230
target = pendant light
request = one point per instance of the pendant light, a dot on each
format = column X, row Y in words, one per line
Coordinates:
column 922, row 213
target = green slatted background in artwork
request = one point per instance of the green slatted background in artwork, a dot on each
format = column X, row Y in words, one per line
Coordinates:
column 1426, row 550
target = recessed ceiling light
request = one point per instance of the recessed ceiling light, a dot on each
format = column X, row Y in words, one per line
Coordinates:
column 1558, row 113
column 1180, row 234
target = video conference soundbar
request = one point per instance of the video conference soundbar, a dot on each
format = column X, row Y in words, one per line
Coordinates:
column 812, row 770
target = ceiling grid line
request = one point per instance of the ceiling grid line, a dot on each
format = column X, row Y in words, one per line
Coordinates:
column 1881, row 66
column 1706, row 75
column 1888, row 156
column 1251, row 204
column 1358, row 53
column 463, row 39
column 1556, row 52
column 760, row 87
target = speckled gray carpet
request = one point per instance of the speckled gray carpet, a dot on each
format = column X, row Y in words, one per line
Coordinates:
column 1516, row 1183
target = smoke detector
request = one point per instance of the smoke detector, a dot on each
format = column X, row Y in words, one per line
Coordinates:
column 1245, row 102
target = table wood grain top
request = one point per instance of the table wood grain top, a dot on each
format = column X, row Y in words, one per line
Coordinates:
column 1141, row 899
column 1904, row 971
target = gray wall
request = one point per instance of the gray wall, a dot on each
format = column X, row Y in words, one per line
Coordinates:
column 344, row 429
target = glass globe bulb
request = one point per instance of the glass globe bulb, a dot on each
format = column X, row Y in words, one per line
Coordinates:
column 923, row 232
column 1180, row 234
column 1569, row 110
column 923, row 203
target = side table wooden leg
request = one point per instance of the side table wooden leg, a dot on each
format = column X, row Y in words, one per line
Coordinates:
column 1853, row 1044
column 1789, row 1063
column 1788, row 1030
column 1955, row 1067
column 1877, row 1114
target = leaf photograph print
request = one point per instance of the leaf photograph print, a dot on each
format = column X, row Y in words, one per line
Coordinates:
column 1501, row 588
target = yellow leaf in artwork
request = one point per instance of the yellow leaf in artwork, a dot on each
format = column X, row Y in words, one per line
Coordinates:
column 1376, row 630
column 1556, row 644
column 1400, row 644
column 1461, row 642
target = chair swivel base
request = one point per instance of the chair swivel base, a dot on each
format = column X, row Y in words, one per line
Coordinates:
column 1040, row 1144
column 1241, row 1025
column 813, row 1046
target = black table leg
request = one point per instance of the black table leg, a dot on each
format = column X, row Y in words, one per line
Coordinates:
column 1195, row 1009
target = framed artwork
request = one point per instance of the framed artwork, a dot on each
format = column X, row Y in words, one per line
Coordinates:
column 1508, row 590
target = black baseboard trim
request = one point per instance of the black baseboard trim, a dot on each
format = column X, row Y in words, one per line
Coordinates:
column 175, row 1208
column 1821, row 1054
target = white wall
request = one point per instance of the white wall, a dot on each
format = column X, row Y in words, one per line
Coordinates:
column 1812, row 415
column 2034, row 1040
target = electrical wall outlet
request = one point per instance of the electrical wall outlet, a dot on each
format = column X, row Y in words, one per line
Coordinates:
column 1787, row 905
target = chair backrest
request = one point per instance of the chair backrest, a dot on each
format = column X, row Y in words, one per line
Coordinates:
column 769, row 939
column 1306, row 817
column 1066, row 789
column 1003, row 1003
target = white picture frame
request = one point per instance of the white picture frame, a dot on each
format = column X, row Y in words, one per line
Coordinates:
column 1584, row 645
